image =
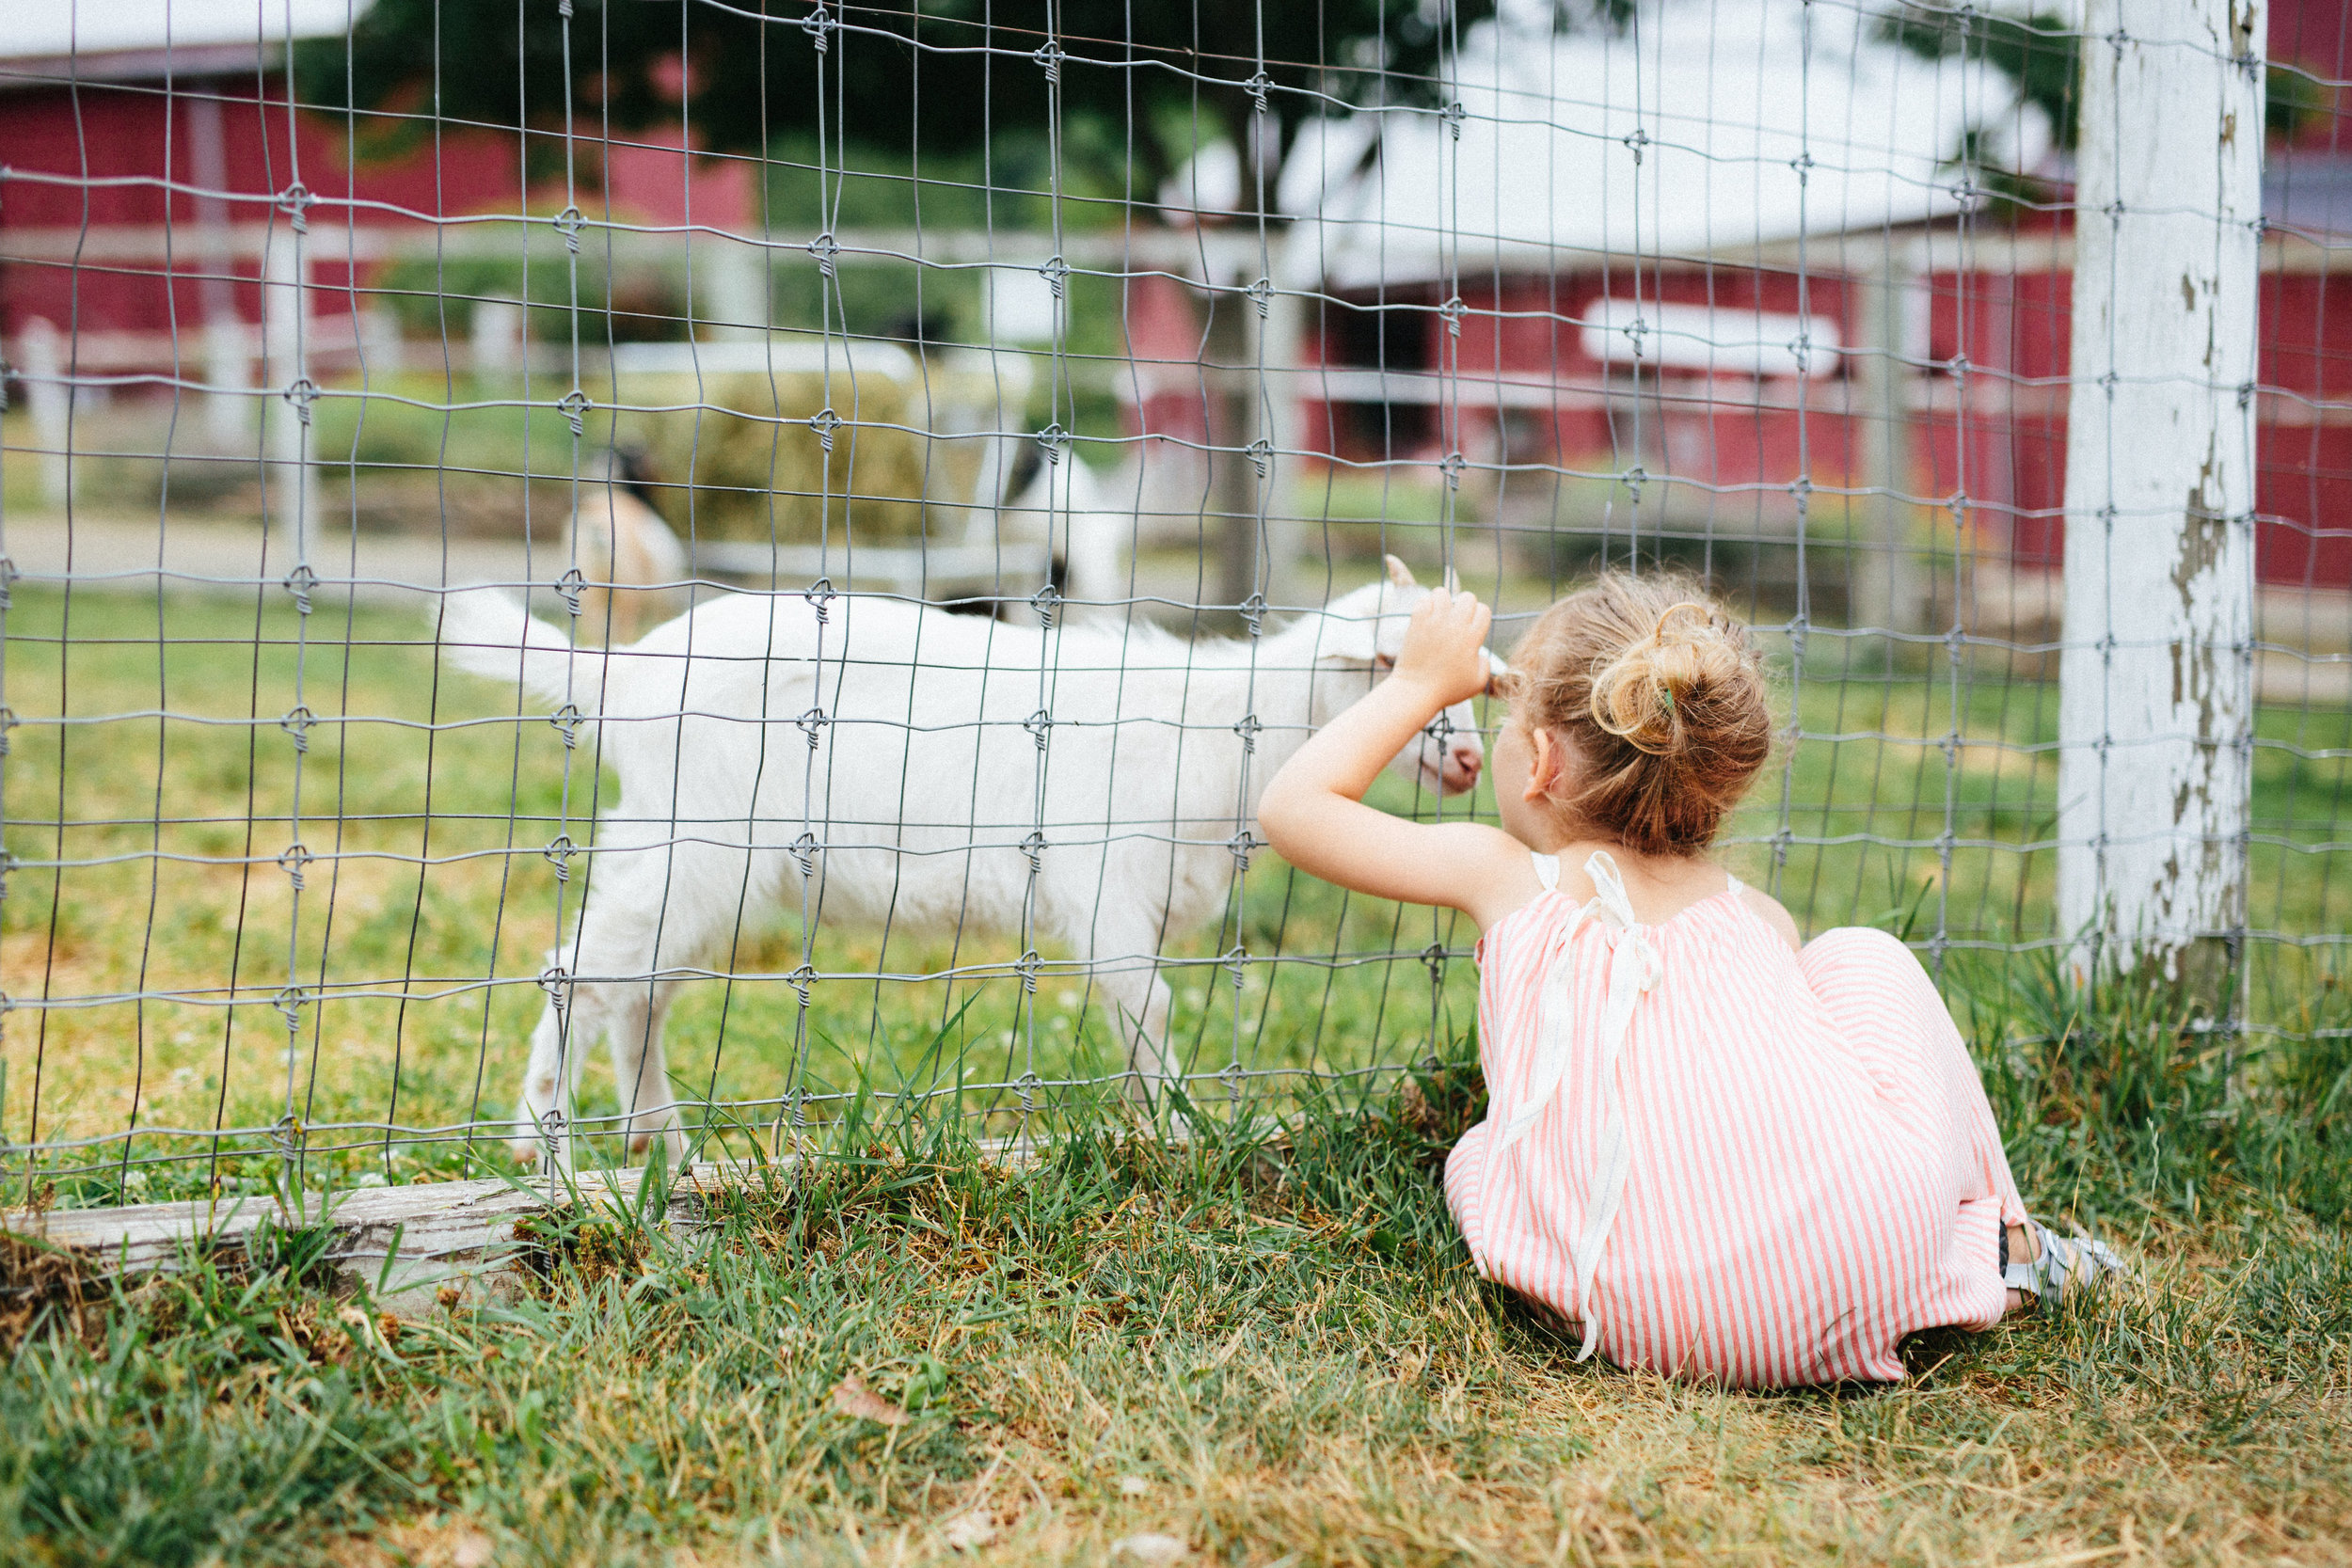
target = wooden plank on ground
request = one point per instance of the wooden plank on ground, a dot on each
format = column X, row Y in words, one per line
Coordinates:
column 407, row 1245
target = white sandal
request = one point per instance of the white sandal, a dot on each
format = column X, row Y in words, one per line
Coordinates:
column 2064, row 1263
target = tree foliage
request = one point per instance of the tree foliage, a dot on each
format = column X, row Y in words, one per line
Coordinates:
column 1142, row 85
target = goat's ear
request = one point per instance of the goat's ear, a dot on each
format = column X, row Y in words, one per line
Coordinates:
column 1399, row 574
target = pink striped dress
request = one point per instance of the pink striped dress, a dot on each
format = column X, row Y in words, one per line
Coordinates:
column 1728, row 1161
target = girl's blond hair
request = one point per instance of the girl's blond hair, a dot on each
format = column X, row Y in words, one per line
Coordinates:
column 1660, row 703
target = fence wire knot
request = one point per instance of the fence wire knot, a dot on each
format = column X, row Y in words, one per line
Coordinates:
column 557, row 982
column 289, row 1004
column 1050, row 56
column 7, row 573
column 1051, row 441
column 297, row 723
column 1034, row 847
column 569, row 587
column 574, row 404
column 300, row 583
column 1249, row 729
column 824, row 422
column 1029, row 1083
column 1452, row 312
column 1635, row 142
column 1262, row 295
column 559, row 853
column 1434, row 957
column 1242, row 846
column 294, row 860
column 1253, row 610
column 1057, row 274
column 1261, row 455
column 1038, row 724
column 828, row 253
column 1046, row 602
column 299, row 394
column 813, row 724
column 805, row 852
column 1031, row 962
column 295, row 201
column 820, row 597
column 1455, row 115
column 1451, row 465
column 802, row 980
column 1258, row 88
column 817, row 24
column 567, row 720
column 568, row 223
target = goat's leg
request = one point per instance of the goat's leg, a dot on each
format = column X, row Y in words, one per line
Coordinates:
column 556, row 1045
column 641, row 1071
column 705, row 885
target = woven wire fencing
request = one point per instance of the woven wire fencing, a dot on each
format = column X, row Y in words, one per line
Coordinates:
column 952, row 453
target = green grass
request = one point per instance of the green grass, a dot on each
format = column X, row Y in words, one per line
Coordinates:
column 190, row 814
column 1269, row 1344
column 1273, row 1351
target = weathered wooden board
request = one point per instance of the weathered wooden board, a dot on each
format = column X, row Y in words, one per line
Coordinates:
column 407, row 1244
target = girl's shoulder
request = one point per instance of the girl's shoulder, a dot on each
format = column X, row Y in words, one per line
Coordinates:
column 1775, row 917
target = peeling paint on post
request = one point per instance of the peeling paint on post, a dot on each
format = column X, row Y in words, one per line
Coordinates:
column 2156, row 708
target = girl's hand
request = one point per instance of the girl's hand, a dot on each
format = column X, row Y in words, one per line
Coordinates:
column 1445, row 647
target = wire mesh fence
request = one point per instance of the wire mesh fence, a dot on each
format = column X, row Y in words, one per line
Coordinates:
column 951, row 451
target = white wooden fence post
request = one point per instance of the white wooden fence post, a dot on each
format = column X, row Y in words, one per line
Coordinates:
column 2155, row 711
column 286, row 317
column 1890, row 587
column 50, row 395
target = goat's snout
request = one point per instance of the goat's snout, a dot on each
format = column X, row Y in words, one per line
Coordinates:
column 1463, row 759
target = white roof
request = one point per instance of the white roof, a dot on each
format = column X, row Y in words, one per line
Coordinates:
column 1702, row 129
column 52, row 28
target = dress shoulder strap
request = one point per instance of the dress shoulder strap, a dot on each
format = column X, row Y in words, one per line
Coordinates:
column 1547, row 870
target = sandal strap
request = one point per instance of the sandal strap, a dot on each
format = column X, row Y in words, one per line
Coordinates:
column 2063, row 1263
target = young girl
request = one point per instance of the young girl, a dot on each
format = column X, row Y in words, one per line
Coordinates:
column 1728, row 1154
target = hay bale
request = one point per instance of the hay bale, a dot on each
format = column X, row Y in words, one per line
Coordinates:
column 748, row 464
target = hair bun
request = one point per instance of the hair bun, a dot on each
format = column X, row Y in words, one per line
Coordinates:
column 1643, row 695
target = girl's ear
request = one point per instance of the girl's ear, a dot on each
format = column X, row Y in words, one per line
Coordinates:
column 1545, row 763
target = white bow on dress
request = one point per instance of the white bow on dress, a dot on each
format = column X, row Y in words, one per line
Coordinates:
column 1634, row 967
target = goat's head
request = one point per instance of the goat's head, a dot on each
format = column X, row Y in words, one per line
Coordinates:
column 1358, row 636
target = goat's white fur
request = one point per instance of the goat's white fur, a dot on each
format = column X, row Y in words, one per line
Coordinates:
column 896, row 738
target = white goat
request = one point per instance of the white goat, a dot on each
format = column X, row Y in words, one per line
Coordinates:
column 915, row 765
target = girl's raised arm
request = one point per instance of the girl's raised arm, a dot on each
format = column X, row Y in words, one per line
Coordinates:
column 1314, row 814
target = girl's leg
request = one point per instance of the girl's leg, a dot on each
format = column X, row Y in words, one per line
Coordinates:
column 1888, row 1014
column 1465, row 1183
